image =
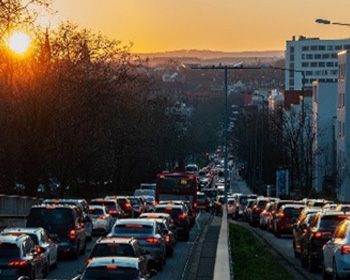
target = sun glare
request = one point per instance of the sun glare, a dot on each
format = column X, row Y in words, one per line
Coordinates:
column 19, row 42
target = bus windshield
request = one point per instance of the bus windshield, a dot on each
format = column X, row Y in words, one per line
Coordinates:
column 175, row 183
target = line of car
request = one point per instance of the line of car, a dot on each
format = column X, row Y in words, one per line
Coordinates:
column 141, row 234
column 320, row 230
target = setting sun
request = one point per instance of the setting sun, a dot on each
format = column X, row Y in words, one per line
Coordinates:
column 19, row 42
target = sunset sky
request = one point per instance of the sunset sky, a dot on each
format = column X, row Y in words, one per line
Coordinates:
column 221, row 25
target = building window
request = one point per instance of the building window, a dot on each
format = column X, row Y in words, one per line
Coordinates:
column 291, row 82
column 325, row 56
column 317, row 56
column 309, row 56
column 291, row 65
column 306, row 81
column 330, row 64
column 321, row 64
column 313, row 64
column 304, row 64
column 321, row 48
column 291, row 57
column 303, row 56
column 347, row 47
column 330, row 48
column 313, row 48
column 291, row 49
column 305, row 48
column 291, row 74
column 338, row 47
column 308, row 73
column 334, row 55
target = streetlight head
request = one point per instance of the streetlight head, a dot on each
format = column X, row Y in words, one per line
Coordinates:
column 322, row 21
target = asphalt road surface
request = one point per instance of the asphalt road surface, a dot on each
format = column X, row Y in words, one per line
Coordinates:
column 173, row 270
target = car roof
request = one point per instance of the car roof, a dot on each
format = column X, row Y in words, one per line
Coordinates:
column 334, row 213
column 12, row 238
column 97, row 206
column 53, row 206
column 154, row 214
column 135, row 222
column 114, row 240
column 24, row 230
column 173, row 206
column 293, row 206
column 117, row 261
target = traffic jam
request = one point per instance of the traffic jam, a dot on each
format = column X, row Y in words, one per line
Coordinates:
column 129, row 237
column 318, row 229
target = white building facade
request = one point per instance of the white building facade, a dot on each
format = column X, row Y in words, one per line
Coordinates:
column 317, row 58
column 324, row 109
column 342, row 131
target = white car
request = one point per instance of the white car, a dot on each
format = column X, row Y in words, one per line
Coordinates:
column 102, row 221
column 230, row 206
column 336, row 253
column 40, row 238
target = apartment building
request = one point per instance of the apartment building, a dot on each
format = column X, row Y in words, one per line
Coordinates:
column 316, row 58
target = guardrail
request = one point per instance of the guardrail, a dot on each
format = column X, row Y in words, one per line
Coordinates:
column 222, row 270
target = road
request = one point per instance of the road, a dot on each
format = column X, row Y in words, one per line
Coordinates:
column 174, row 268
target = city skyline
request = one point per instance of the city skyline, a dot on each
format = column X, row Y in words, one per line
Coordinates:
column 227, row 25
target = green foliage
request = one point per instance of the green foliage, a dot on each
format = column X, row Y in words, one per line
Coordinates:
column 247, row 249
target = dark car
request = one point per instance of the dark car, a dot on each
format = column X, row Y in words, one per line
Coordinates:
column 138, row 205
column 320, row 231
column 299, row 230
column 286, row 217
column 20, row 257
column 275, row 209
column 218, row 204
column 119, row 247
column 241, row 202
column 126, row 205
column 203, row 202
column 64, row 223
column 247, row 210
column 180, row 216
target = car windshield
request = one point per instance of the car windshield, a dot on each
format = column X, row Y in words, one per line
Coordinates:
column 243, row 199
column 121, row 201
column 134, row 201
column 262, row 203
column 50, row 217
column 294, row 212
column 331, row 222
column 112, row 250
column 212, row 193
column 133, row 229
column 201, row 196
column 9, row 251
column 96, row 211
column 110, row 272
column 110, row 205
column 150, row 199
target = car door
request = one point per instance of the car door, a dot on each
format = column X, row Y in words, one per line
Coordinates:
column 339, row 240
column 49, row 245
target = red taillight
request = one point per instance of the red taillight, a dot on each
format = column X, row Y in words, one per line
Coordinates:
column 345, row 250
column 195, row 205
column 237, row 204
column 182, row 216
column 152, row 240
column 127, row 206
column 154, row 203
column 324, row 235
column 18, row 263
column 102, row 217
column 72, row 234
column 167, row 239
column 112, row 212
column 88, row 261
column 256, row 209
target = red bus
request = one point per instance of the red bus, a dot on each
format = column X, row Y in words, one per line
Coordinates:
column 177, row 186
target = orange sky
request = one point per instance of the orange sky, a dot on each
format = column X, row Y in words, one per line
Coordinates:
column 223, row 25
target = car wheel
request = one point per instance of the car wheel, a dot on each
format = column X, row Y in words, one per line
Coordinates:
column 335, row 272
column 325, row 275
column 83, row 250
column 303, row 260
column 311, row 264
column 296, row 254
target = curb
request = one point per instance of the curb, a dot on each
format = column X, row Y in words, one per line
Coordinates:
column 222, row 270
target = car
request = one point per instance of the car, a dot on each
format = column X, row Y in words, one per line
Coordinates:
column 247, row 209
column 111, row 204
column 149, row 235
column 203, row 201
column 82, row 205
column 286, row 217
column 276, row 208
column 336, row 253
column 317, row 235
column 126, row 205
column 241, row 202
column 138, row 205
column 165, row 216
column 102, row 221
column 230, row 206
column 299, row 230
column 218, row 204
column 257, row 207
column 120, row 247
column 264, row 215
column 41, row 239
column 20, row 257
column 64, row 223
column 343, row 208
column 192, row 168
column 180, row 216
column 110, row 268
column 150, row 203
column 317, row 202
column 148, row 186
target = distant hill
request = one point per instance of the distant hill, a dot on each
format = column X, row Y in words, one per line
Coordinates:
column 208, row 54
